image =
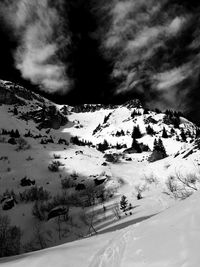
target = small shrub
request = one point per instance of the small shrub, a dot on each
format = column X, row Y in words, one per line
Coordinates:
column 139, row 190
column 54, row 166
column 151, row 179
column 113, row 158
column 34, row 194
column 67, row 183
column 38, row 211
column 22, row 144
column 56, row 156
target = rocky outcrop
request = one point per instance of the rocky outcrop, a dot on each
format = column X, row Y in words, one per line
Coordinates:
column 8, row 97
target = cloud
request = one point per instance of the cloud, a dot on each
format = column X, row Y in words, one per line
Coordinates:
column 41, row 33
column 145, row 42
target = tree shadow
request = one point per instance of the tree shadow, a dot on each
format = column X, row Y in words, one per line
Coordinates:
column 125, row 224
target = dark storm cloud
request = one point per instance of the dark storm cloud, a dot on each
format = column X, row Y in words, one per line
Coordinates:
column 155, row 48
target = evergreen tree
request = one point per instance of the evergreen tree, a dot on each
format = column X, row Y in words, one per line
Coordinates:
column 146, row 111
column 123, row 203
column 17, row 135
column 15, row 111
column 102, row 147
column 159, row 151
column 183, row 136
column 136, row 146
column 150, row 130
column 161, row 148
column 136, row 132
column 172, row 131
column 12, row 133
column 164, row 133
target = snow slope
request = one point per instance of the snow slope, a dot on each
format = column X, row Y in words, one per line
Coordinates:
column 169, row 239
column 126, row 241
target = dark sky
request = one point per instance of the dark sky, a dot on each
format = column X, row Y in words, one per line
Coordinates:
column 103, row 51
column 87, row 66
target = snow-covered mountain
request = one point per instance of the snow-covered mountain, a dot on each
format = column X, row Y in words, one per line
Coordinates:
column 115, row 125
column 59, row 182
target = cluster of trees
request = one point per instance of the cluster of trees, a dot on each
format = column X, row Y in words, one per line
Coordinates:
column 12, row 133
column 76, row 141
column 34, row 194
column 172, row 117
column 103, row 146
column 98, row 128
column 120, row 133
column 10, row 238
column 135, row 113
column 139, row 147
column 159, row 151
column 106, row 118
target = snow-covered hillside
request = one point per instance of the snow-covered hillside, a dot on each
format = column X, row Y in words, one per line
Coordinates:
column 170, row 239
column 57, row 184
column 116, row 126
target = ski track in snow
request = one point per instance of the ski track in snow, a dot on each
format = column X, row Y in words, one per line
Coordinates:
column 112, row 254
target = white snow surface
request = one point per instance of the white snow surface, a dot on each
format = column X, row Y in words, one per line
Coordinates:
column 169, row 239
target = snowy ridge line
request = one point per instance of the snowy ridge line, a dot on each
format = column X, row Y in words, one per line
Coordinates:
column 112, row 254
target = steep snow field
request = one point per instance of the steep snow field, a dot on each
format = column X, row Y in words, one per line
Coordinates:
column 170, row 238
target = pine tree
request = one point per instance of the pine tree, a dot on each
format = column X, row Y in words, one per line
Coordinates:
column 17, row 135
column 123, row 203
column 15, row 111
column 183, row 136
column 159, row 151
column 136, row 146
column 164, row 133
column 104, row 146
column 12, row 133
column 150, row 130
column 172, row 131
column 161, row 148
column 136, row 132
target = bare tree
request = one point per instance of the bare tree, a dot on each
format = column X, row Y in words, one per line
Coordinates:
column 10, row 238
column 182, row 186
column 116, row 211
column 89, row 220
column 40, row 240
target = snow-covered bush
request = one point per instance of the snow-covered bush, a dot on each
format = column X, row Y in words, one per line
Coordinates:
column 139, row 190
column 151, row 179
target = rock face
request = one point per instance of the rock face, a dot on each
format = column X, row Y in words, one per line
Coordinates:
column 8, row 97
column 50, row 117
column 35, row 107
